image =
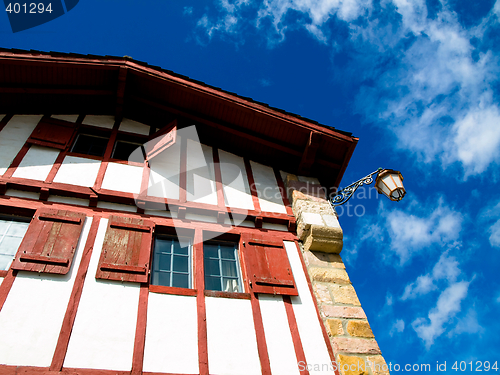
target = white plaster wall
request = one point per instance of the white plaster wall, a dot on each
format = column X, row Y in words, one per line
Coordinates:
column 116, row 206
column 13, row 136
column 270, row 199
column 33, row 313
column 132, row 126
column 78, row 171
column 274, row 226
column 235, row 181
column 164, row 173
column 22, row 194
column 232, row 344
column 278, row 336
column 200, row 176
column 171, row 334
column 69, row 118
column 311, row 335
column 123, row 177
column 163, row 213
column 205, row 218
column 68, row 200
column 37, row 163
column 100, row 121
column 104, row 329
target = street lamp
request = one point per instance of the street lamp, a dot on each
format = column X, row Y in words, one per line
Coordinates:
column 388, row 182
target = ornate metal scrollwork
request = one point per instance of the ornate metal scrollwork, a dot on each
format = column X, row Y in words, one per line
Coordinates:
column 346, row 193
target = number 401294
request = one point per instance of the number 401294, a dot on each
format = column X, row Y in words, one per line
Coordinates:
column 31, row 8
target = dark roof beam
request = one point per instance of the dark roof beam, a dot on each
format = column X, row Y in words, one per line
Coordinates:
column 120, row 92
column 309, row 155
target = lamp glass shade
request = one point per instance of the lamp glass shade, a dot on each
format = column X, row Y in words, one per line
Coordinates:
column 390, row 183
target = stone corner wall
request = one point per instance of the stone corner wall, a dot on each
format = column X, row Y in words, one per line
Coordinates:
column 354, row 345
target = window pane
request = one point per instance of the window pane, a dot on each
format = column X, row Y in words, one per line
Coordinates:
column 163, row 246
column 211, row 251
column 212, row 267
column 180, row 250
column 181, row 263
column 4, row 225
column 18, row 229
column 90, row 145
column 161, row 278
column 231, row 285
column 212, row 283
column 164, row 262
column 229, row 268
column 227, row 252
column 180, row 280
column 9, row 245
column 123, row 149
column 5, row 261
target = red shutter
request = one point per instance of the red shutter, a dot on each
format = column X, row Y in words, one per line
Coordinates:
column 161, row 140
column 52, row 133
column 126, row 250
column 267, row 266
column 50, row 241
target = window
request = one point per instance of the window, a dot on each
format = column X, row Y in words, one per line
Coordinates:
column 222, row 271
column 123, row 149
column 89, row 144
column 172, row 262
column 12, row 231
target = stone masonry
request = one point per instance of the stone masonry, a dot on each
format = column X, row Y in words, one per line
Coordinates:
column 318, row 228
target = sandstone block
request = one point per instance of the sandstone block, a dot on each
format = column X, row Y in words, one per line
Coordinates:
column 343, row 312
column 355, row 345
column 316, row 258
column 329, row 275
column 378, row 365
column 300, row 205
column 335, row 327
column 322, row 293
column 351, row 365
column 307, row 188
column 322, row 238
column 359, row 329
column 344, row 294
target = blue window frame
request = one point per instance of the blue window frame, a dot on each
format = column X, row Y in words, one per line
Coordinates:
column 222, row 269
column 12, row 231
column 172, row 262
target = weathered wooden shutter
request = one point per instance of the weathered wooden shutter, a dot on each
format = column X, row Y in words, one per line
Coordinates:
column 52, row 133
column 50, row 241
column 126, row 250
column 267, row 266
column 161, row 140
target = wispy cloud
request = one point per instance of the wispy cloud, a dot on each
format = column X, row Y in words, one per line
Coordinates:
column 491, row 216
column 448, row 305
column 426, row 226
column 397, row 327
column 425, row 78
column 446, row 268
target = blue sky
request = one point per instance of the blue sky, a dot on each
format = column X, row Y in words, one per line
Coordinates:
column 416, row 81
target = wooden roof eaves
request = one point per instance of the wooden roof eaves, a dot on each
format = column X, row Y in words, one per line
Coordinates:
column 110, row 62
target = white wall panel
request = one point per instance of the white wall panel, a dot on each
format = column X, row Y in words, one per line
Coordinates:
column 235, row 181
column 13, row 136
column 100, row 121
column 200, row 176
column 22, row 194
column 117, row 206
column 171, row 334
column 68, row 200
column 33, row 313
column 278, row 336
column 311, row 335
column 164, row 173
column 270, row 199
column 123, row 177
column 232, row 344
column 132, row 126
column 69, row 118
column 37, row 163
column 104, row 329
column 78, row 171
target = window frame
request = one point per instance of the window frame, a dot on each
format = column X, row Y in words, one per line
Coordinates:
column 171, row 272
column 237, row 259
column 13, row 218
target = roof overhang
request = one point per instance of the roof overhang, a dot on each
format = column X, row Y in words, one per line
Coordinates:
column 33, row 82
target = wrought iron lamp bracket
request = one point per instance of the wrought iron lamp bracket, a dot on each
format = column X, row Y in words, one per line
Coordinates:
column 346, row 193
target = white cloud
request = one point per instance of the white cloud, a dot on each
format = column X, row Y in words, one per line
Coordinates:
column 445, row 269
column 448, row 305
column 397, row 327
column 187, row 11
column 467, row 324
column 491, row 214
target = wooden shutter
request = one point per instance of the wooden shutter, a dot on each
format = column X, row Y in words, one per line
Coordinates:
column 126, row 250
column 52, row 133
column 161, row 140
column 267, row 266
column 50, row 241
